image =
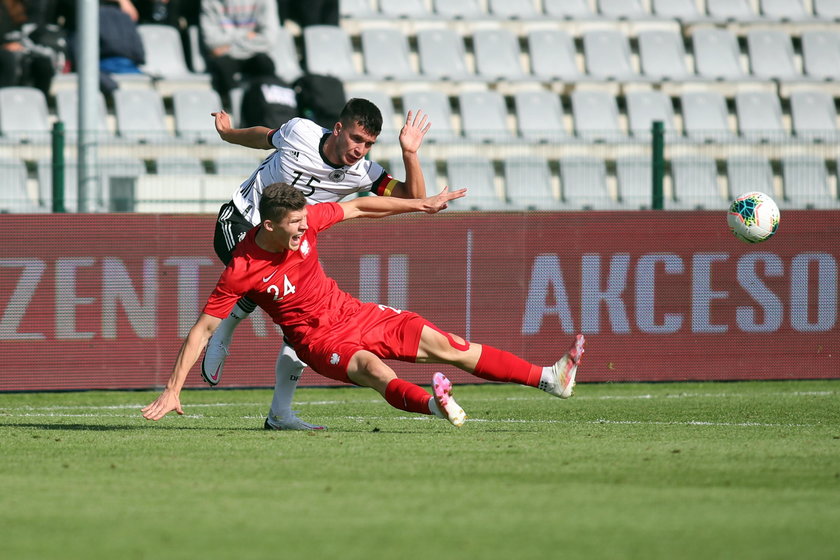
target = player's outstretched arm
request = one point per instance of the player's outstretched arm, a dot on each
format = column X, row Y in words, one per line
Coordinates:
column 253, row 137
column 194, row 344
column 416, row 126
column 382, row 206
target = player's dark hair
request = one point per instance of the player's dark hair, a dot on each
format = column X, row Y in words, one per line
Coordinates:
column 278, row 199
column 363, row 112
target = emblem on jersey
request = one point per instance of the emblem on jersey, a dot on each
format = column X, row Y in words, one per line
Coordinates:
column 304, row 247
column 242, row 235
column 334, row 359
column 337, row 175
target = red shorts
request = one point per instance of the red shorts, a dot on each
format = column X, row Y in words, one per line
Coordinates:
column 389, row 333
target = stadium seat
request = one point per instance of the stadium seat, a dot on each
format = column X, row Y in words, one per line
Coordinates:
column 806, row 183
column 821, row 54
column 140, row 115
column 356, row 9
column 497, row 54
column 716, row 54
column 705, row 116
column 635, row 181
column 67, row 110
column 539, row 116
column 696, row 183
column 192, row 110
column 329, row 51
column 442, row 54
column 113, row 191
column 165, row 58
column 475, row 173
column 553, row 55
column 14, row 195
column 646, row 106
column 179, row 165
column 827, row 9
column 618, row 9
column 749, row 173
column 436, row 105
column 484, row 116
column 284, row 54
column 465, row 9
column 236, row 166
column 584, row 183
column 390, row 132
column 428, row 165
column 528, row 184
column 759, row 116
column 771, row 54
column 814, row 115
column 734, row 10
column 662, row 55
column 567, row 9
column 676, row 9
column 521, row 9
column 23, row 115
column 403, row 8
column 595, row 115
column 385, row 52
column 783, row 9
column 607, row 54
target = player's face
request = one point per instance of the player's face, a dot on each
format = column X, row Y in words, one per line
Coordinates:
column 352, row 143
column 291, row 228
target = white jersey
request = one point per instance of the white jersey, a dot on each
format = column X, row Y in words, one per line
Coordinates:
column 299, row 161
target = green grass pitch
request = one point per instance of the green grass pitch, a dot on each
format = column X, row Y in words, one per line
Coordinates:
column 649, row 471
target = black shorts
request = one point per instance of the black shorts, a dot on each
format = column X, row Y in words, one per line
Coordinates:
column 231, row 227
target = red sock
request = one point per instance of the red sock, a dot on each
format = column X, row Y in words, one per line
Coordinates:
column 498, row 365
column 407, row 396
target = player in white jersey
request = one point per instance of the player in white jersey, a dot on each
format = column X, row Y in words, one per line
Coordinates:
column 326, row 165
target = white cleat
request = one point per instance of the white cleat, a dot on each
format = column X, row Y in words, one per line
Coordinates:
column 563, row 372
column 214, row 358
column 442, row 388
column 290, row 423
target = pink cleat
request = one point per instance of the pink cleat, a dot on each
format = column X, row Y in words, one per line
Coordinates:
column 442, row 388
column 562, row 382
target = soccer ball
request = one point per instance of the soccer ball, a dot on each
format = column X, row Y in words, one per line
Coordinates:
column 753, row 217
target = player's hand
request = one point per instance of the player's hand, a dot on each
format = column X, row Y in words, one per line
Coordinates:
column 412, row 133
column 223, row 125
column 165, row 403
column 440, row 201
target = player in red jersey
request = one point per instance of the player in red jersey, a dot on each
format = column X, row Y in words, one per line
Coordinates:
column 340, row 337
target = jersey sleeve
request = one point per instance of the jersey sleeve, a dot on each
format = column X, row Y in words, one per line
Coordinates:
column 224, row 296
column 276, row 137
column 384, row 184
column 324, row 215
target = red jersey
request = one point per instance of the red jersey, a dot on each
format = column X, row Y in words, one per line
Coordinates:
column 290, row 286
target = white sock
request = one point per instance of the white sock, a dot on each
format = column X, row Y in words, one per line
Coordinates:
column 434, row 409
column 546, row 378
column 229, row 323
column 287, row 371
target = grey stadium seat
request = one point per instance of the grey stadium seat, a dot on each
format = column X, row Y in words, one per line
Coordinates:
column 677, row 9
column 239, row 166
column 476, row 174
column 696, row 183
column 385, row 53
column 459, row 8
column 329, row 51
column 771, row 54
column 705, row 116
column 829, row 9
column 730, row 9
column 553, row 54
column 429, row 167
column 403, row 8
column 783, row 9
column 646, row 106
column 390, row 133
column 539, row 116
column 14, row 195
column 618, row 9
column 814, row 115
column 192, row 110
column 716, row 54
column 442, row 54
column 436, row 105
column 528, row 184
column 513, row 8
column 484, row 116
column 285, row 56
column 584, row 183
column 112, row 191
column 749, row 173
column 821, row 54
column 140, row 115
column 356, row 8
column 497, row 54
column 67, row 109
column 179, row 165
column 595, row 115
column 165, row 55
column 759, row 116
column 635, row 181
column 806, row 183
column 662, row 55
column 607, row 54
column 567, row 9
column 24, row 115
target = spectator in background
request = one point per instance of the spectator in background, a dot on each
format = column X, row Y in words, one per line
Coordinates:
column 22, row 62
column 120, row 46
column 235, row 32
column 311, row 12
